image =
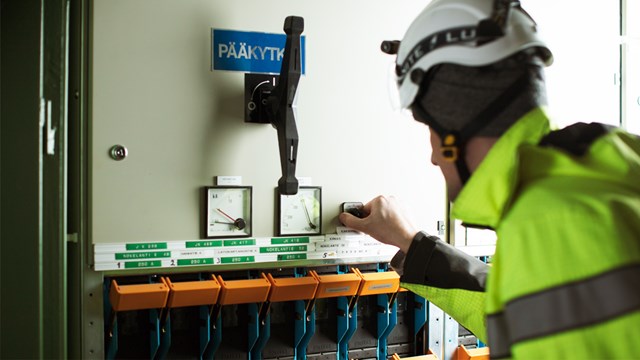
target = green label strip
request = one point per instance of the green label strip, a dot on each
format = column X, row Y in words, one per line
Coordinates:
column 189, row 262
column 293, row 240
column 244, row 242
column 143, row 255
column 292, row 257
column 147, row 246
column 142, row 264
column 237, row 259
column 277, row 249
column 201, row 244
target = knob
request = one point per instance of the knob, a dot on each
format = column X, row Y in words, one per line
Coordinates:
column 118, row 152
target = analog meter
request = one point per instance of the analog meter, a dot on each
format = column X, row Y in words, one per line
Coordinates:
column 228, row 211
column 300, row 214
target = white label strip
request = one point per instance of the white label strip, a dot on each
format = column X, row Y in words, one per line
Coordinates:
column 304, row 181
column 330, row 254
column 334, row 245
column 202, row 252
column 343, row 230
column 228, row 180
column 236, row 251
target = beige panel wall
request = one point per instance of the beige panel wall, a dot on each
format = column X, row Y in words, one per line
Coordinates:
column 153, row 92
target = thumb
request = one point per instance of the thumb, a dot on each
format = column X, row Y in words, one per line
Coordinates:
column 348, row 220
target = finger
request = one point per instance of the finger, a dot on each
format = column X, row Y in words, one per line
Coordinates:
column 367, row 207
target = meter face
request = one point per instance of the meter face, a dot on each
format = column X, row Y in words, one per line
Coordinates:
column 228, row 211
column 300, row 214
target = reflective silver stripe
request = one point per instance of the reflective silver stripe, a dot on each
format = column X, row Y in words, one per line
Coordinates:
column 566, row 307
column 498, row 336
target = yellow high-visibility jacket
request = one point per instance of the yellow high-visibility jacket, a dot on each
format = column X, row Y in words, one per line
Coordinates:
column 565, row 280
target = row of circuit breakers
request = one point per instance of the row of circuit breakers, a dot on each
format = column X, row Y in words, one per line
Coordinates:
column 330, row 312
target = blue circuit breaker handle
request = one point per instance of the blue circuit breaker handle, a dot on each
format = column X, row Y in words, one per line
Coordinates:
column 280, row 105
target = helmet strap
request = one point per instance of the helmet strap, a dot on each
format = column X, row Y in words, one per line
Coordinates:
column 452, row 147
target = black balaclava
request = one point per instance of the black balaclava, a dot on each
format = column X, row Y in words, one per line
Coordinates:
column 479, row 101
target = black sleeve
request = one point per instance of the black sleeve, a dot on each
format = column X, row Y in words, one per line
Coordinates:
column 431, row 261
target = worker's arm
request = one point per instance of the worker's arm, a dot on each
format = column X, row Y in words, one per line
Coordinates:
column 431, row 261
column 446, row 276
column 449, row 278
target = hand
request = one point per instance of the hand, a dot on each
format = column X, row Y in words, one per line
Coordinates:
column 384, row 221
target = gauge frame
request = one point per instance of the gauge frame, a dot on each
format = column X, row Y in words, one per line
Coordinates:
column 317, row 195
column 247, row 209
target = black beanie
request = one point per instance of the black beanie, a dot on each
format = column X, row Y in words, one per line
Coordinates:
column 456, row 94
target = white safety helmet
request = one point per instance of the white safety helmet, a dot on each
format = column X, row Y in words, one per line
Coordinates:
column 463, row 32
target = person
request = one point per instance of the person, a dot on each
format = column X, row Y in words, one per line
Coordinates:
column 564, row 282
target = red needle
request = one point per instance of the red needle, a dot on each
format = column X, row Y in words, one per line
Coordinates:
column 225, row 214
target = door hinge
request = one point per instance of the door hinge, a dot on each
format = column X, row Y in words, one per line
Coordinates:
column 72, row 238
column 46, row 122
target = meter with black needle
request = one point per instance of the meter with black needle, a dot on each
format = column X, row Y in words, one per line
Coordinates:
column 228, row 211
column 300, row 214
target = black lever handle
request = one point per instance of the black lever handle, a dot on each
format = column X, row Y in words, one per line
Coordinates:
column 280, row 107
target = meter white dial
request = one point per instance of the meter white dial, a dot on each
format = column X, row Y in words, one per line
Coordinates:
column 228, row 211
column 300, row 214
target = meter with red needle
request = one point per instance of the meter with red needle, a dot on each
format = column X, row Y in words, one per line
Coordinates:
column 238, row 223
column 228, row 211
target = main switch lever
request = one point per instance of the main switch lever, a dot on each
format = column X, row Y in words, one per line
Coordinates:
column 280, row 105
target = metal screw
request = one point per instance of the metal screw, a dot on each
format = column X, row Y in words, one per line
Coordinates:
column 118, row 152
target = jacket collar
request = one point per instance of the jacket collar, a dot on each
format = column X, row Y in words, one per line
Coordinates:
column 483, row 200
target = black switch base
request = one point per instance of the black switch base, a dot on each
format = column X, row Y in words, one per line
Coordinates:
column 257, row 88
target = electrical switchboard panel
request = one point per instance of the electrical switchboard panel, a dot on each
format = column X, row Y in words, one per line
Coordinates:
column 194, row 245
column 166, row 122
